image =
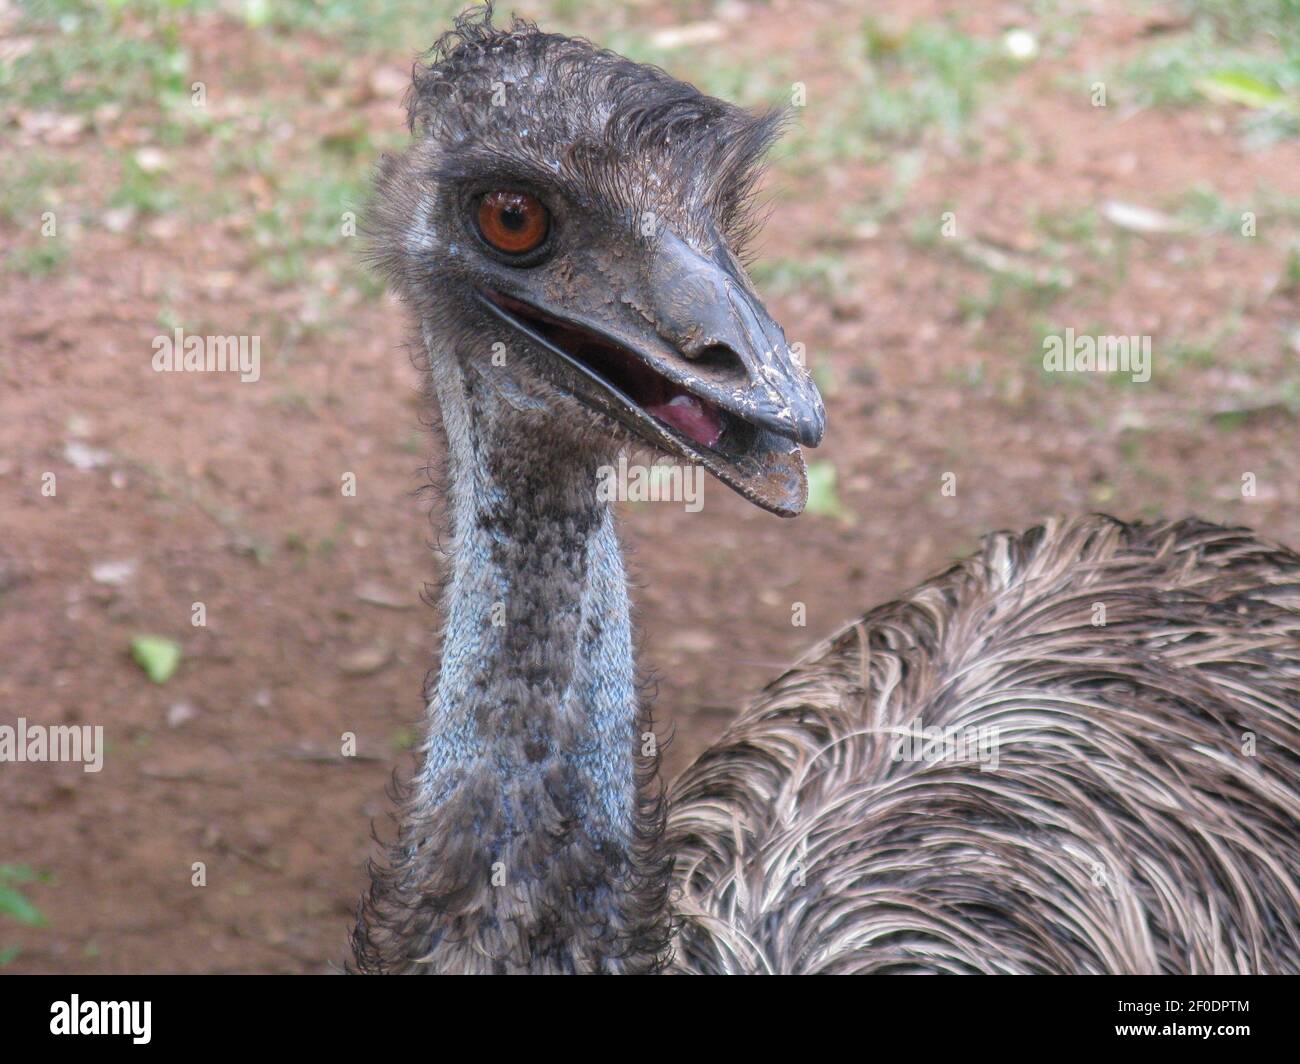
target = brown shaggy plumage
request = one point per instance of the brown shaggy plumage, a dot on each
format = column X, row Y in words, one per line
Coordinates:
column 1144, row 815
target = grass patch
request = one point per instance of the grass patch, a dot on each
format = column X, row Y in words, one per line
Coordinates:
column 306, row 227
column 25, row 183
column 931, row 76
column 359, row 25
column 824, row 273
column 149, row 192
column 15, row 905
column 1008, row 296
column 41, row 259
column 86, row 54
column 1290, row 280
column 901, row 87
column 29, row 186
column 1068, row 225
column 1204, row 208
column 1241, row 52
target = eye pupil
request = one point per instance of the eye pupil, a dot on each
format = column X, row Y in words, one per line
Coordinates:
column 512, row 218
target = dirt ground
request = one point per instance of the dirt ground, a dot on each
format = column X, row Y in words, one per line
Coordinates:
column 174, row 489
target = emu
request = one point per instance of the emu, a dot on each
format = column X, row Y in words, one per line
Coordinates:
column 568, row 229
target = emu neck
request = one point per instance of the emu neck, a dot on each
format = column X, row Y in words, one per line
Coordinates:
column 537, row 682
column 523, row 843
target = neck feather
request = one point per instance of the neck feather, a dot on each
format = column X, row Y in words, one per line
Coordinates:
column 526, row 841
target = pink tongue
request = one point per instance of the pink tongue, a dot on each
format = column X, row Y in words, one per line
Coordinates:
column 691, row 418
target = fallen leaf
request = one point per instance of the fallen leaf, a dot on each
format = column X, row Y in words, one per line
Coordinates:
column 119, row 219
column 84, row 457
column 691, row 33
column 365, row 661
column 823, row 498
column 1140, row 219
column 116, row 573
column 376, row 594
column 15, row 905
column 692, row 641
column 151, row 160
column 159, row 657
column 1230, row 86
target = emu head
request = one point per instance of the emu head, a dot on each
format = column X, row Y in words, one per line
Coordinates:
column 568, row 225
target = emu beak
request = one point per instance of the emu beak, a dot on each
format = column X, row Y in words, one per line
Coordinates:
column 687, row 358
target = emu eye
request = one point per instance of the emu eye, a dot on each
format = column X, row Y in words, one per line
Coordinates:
column 513, row 222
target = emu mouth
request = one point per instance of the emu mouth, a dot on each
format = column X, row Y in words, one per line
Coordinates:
column 671, row 403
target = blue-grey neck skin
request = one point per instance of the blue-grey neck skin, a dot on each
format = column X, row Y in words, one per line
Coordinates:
column 530, row 838
column 537, row 667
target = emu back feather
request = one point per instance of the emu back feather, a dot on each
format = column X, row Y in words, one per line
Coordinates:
column 1144, row 815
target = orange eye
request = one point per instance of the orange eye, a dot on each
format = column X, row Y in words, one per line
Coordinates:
column 513, row 222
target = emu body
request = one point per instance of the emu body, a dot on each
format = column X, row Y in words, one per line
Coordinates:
column 1143, row 815
column 1138, row 685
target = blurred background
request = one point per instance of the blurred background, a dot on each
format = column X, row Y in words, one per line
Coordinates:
column 962, row 181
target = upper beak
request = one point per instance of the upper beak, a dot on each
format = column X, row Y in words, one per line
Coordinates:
column 709, row 314
column 695, row 322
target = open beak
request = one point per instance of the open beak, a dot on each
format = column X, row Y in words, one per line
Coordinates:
column 690, row 361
